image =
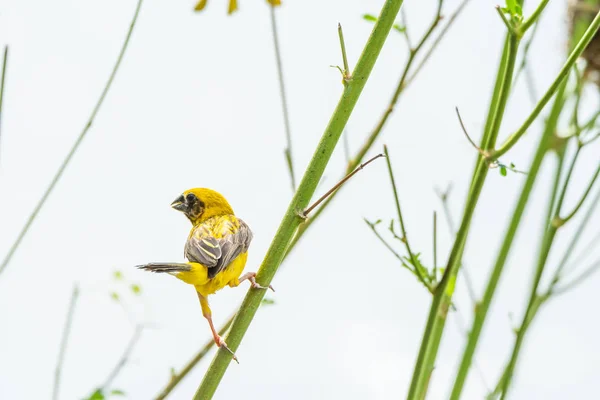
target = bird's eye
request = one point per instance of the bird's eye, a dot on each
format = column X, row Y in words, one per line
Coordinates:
column 190, row 198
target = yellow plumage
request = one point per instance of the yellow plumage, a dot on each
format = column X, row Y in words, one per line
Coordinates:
column 217, row 249
column 232, row 6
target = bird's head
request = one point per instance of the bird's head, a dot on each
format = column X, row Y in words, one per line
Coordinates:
column 201, row 204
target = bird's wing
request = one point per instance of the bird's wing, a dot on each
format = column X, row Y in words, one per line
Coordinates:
column 217, row 242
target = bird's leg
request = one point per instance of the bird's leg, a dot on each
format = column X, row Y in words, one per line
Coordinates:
column 250, row 276
column 219, row 341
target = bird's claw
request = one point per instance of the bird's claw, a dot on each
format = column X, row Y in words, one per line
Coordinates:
column 255, row 285
column 221, row 343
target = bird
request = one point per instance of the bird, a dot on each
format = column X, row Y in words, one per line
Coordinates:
column 216, row 250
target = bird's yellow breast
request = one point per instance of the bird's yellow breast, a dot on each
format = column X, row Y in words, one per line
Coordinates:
column 198, row 276
column 222, row 279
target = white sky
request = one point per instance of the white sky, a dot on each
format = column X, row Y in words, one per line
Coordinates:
column 196, row 103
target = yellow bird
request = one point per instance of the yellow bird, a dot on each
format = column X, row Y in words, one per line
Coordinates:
column 217, row 249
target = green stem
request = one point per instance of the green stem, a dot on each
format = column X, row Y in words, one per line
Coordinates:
column 434, row 246
column 2, row 85
column 562, row 75
column 404, row 239
column 437, row 40
column 582, row 200
column 291, row 220
column 507, row 23
column 372, row 225
column 573, row 243
column 531, row 20
column 500, row 74
column 282, row 93
column 75, row 147
column 483, row 306
column 368, row 144
column 402, row 84
column 346, row 70
column 64, row 342
column 513, row 44
column 535, row 300
column 442, row 298
column 589, row 271
column 175, row 379
column 124, row 359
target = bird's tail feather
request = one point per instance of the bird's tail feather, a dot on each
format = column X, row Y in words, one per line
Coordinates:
column 170, row 268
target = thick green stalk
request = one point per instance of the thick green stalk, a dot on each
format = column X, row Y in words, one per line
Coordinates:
column 511, row 60
column 482, row 307
column 291, row 220
column 562, row 75
column 495, row 94
column 443, row 293
column 534, row 300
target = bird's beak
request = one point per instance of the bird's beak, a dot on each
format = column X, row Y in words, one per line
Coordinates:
column 179, row 204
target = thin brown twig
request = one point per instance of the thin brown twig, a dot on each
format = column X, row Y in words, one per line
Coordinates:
column 462, row 125
column 338, row 185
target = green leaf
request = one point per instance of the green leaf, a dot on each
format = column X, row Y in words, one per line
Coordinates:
column 118, row 275
column 513, row 166
column 97, row 395
column 115, row 296
column 511, row 5
column 399, row 28
column 514, row 9
column 519, row 11
column 267, row 301
column 117, row 392
column 502, row 170
column 370, row 18
column 136, row 289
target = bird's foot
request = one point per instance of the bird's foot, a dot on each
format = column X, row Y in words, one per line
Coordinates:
column 255, row 285
column 220, row 342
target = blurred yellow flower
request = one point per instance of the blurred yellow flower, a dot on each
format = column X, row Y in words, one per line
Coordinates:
column 232, row 5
